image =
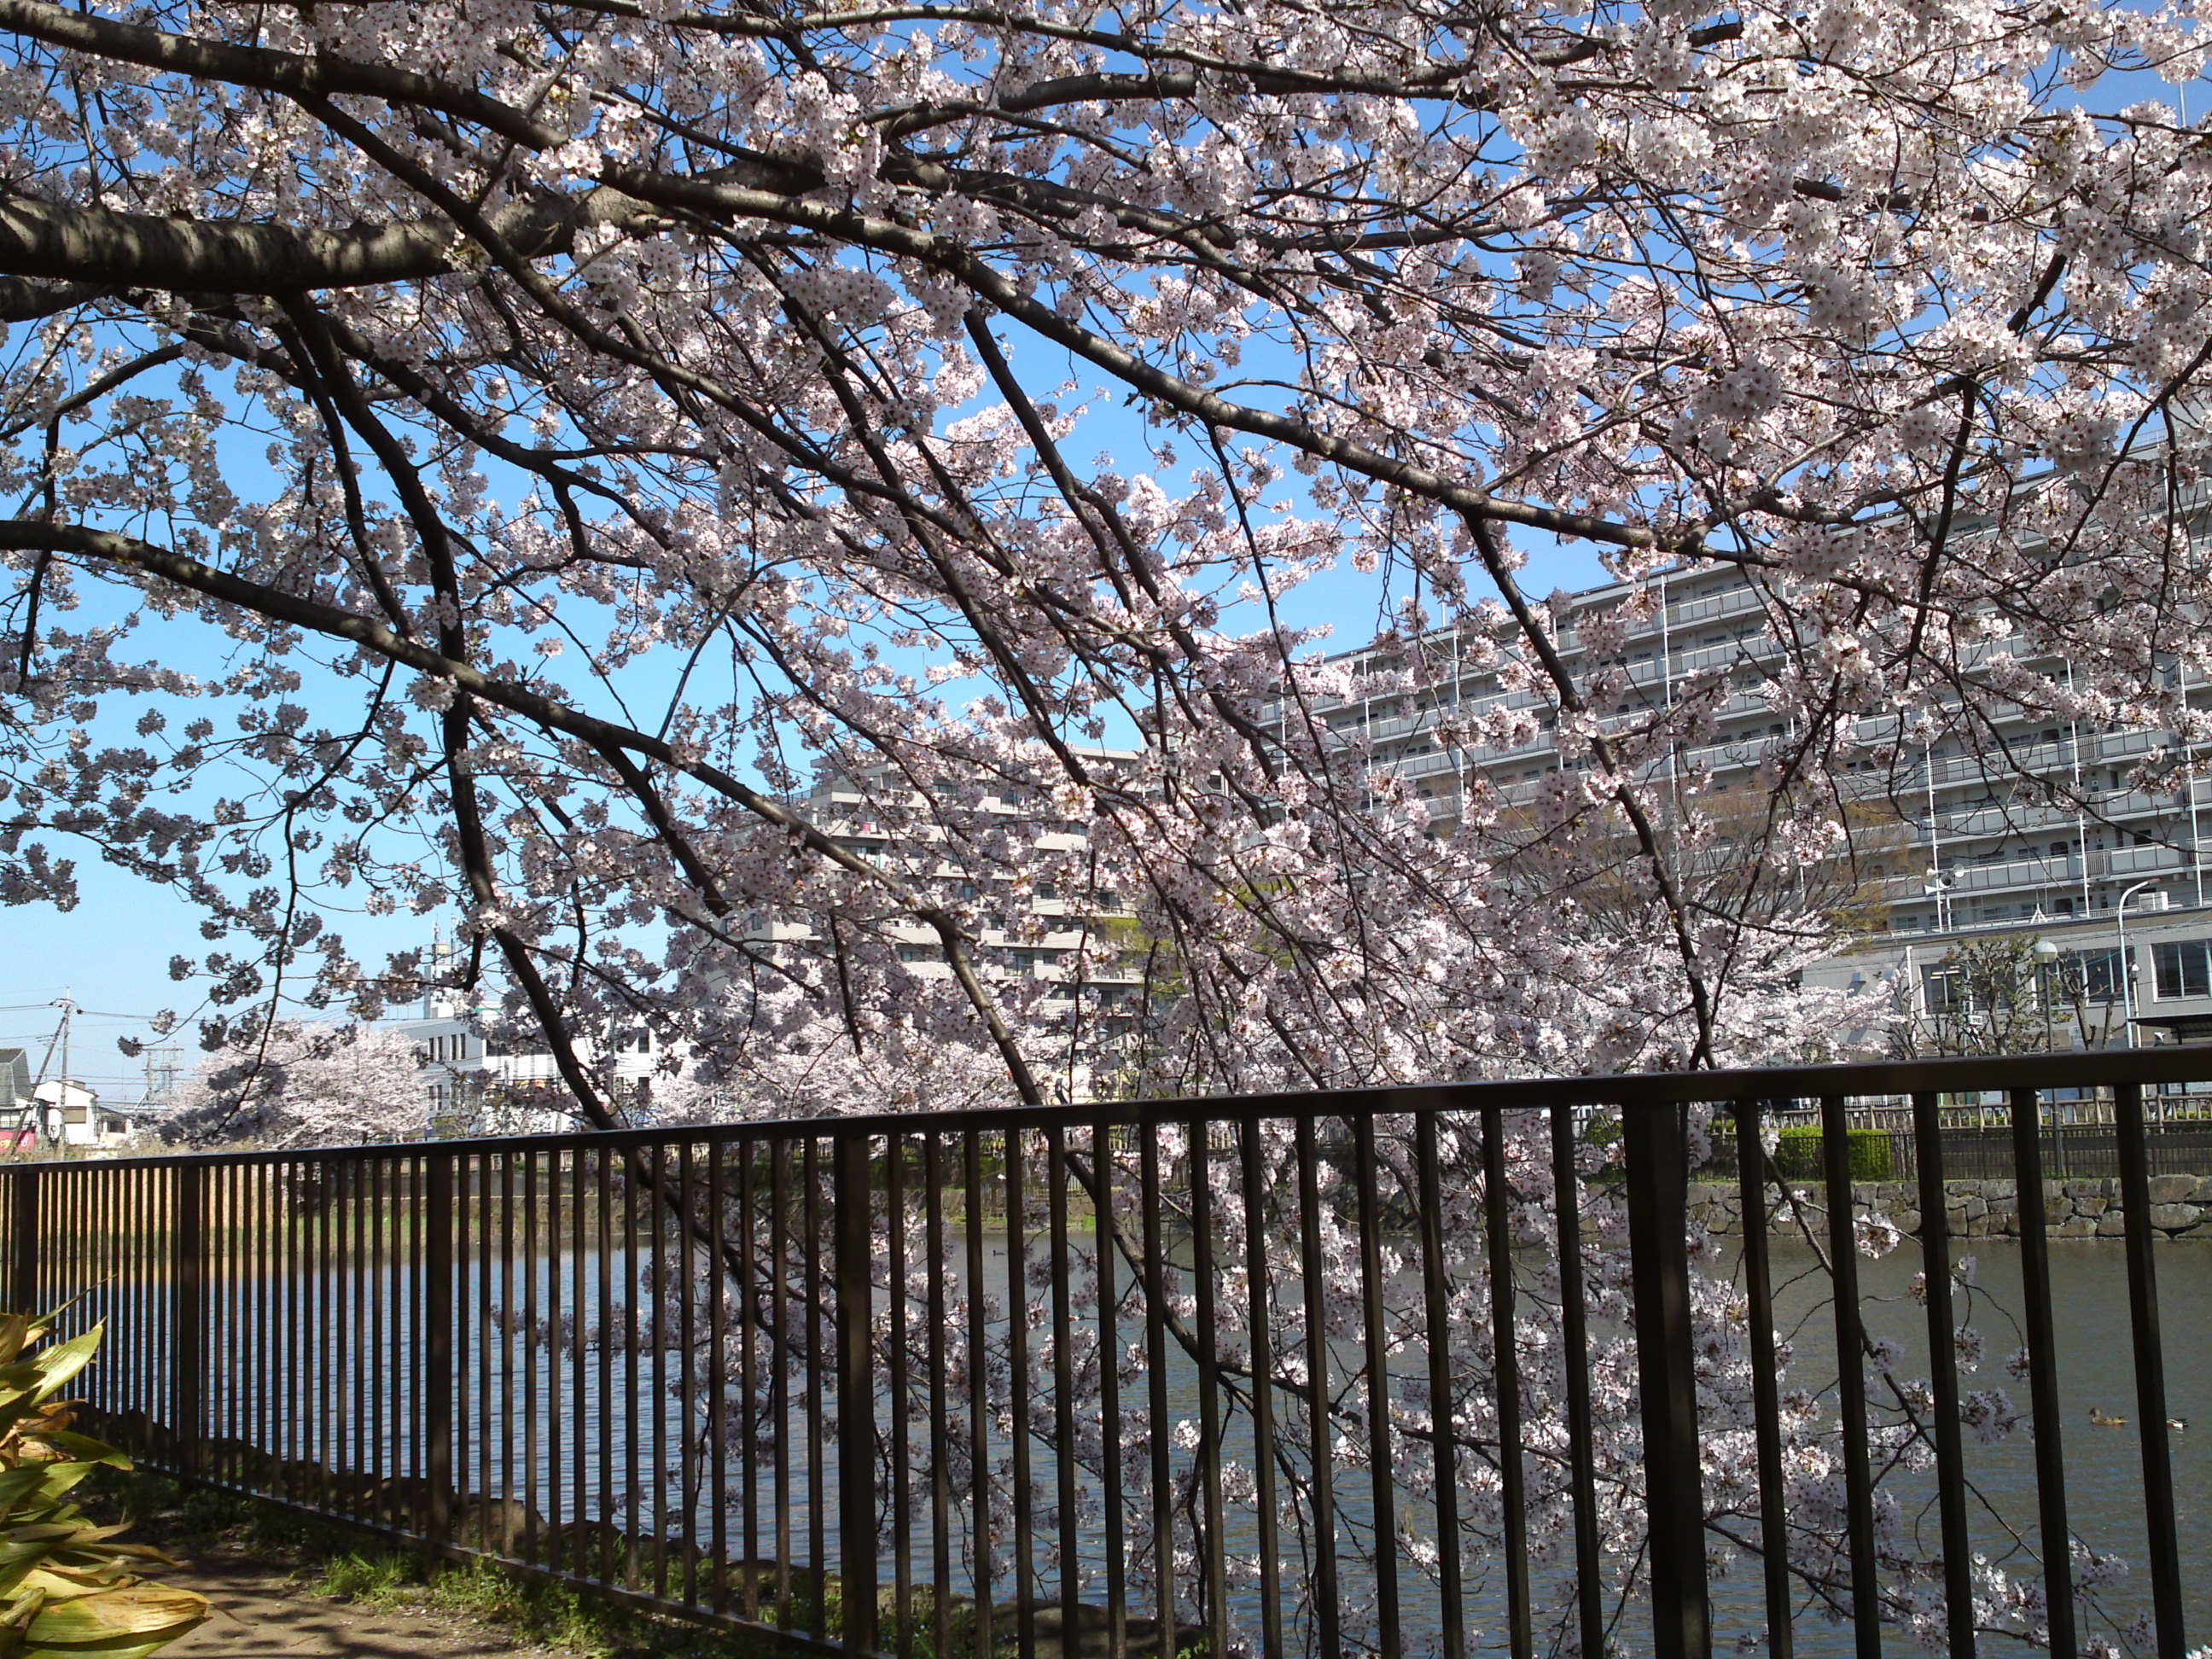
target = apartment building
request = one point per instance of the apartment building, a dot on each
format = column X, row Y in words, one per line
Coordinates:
column 474, row 1088
column 1036, row 920
column 1963, row 859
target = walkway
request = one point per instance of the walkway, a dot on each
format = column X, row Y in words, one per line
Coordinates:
column 263, row 1613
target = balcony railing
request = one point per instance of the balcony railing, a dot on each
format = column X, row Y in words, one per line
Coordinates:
column 1392, row 1370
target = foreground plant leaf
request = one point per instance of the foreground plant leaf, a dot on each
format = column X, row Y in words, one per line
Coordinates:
column 67, row 1585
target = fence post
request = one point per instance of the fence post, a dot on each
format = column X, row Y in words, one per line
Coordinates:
column 2150, row 1369
column 1659, row 1262
column 856, row 1395
column 23, row 1239
column 188, row 1314
column 437, row 1348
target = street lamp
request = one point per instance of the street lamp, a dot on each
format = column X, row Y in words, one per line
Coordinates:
column 2127, row 977
column 2046, row 952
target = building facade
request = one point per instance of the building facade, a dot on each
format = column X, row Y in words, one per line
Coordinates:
column 1035, row 922
column 1961, row 852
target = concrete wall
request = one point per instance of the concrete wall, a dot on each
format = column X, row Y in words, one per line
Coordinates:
column 2180, row 1207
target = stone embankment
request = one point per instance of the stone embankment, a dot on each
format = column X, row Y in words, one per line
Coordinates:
column 2180, row 1207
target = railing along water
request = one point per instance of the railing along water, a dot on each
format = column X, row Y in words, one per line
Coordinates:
column 1410, row 1369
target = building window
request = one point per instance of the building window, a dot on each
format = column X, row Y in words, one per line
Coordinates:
column 2092, row 975
column 2184, row 969
column 1945, row 989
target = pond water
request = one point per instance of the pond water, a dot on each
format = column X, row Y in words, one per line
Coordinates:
column 580, row 1436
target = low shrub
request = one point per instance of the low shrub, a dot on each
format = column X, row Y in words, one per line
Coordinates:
column 1800, row 1155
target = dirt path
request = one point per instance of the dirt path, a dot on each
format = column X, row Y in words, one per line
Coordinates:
column 263, row 1613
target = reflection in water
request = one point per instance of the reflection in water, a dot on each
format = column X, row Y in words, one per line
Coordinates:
column 2104, row 1464
column 510, row 1449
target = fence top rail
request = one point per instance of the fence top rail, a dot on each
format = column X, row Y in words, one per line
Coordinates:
column 2176, row 1063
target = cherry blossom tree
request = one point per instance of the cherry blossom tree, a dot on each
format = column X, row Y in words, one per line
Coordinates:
column 304, row 1084
column 747, row 358
column 564, row 432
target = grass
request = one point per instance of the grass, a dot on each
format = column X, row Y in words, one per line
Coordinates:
column 544, row 1615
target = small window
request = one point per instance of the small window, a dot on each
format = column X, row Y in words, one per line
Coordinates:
column 2093, row 975
column 2184, row 969
column 1945, row 989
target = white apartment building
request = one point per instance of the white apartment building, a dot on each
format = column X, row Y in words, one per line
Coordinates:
column 470, row 1088
column 1969, row 860
column 1032, row 929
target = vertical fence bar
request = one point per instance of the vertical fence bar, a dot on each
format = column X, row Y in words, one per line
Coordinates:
column 612, row 1555
column 1103, row 1236
column 1943, row 1368
column 979, row 1390
column 940, row 1401
column 1320, row 1448
column 1213, row 1554
column 1156, row 1378
column 1437, row 1295
column 1263, row 1365
column 1851, row 1375
column 856, row 1396
column 718, row 1379
column 749, row 1317
column 1376, row 1330
column 1658, row 1216
column 2150, row 1370
column 562, row 1406
column 1498, row 1217
column 1017, row 1384
column 188, row 1313
column 817, row 1341
column 1765, row 1391
column 902, row 1403
column 437, row 1346
column 1063, row 1382
column 531, row 1417
column 2056, row 1541
column 373, row 1457
column 652, row 1282
column 1574, row 1337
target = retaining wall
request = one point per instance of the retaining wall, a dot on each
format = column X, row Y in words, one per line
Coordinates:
column 2180, row 1206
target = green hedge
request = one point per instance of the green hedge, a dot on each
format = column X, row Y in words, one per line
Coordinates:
column 1799, row 1155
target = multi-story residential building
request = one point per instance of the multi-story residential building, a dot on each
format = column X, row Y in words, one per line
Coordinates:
column 471, row 1088
column 1959, row 853
column 1031, row 929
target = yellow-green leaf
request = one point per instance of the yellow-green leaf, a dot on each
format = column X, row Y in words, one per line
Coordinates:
column 140, row 1611
column 85, row 1447
column 63, row 1360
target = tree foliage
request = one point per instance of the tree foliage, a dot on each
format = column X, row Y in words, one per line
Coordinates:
column 300, row 1084
column 581, row 424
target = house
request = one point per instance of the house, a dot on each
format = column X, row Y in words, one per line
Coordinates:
column 69, row 1114
column 19, row 1130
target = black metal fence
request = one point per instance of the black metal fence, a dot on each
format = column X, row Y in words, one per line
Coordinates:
column 1419, row 1369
